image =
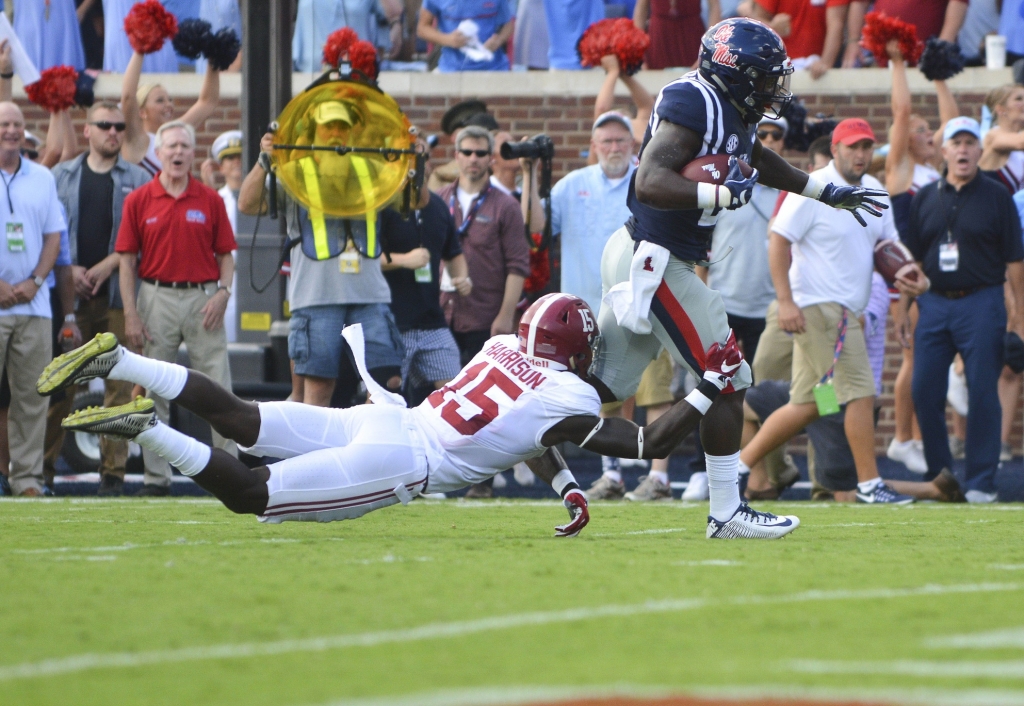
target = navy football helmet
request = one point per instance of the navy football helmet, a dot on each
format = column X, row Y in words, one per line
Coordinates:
column 747, row 61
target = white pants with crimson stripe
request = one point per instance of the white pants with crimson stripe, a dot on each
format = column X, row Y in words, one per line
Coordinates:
column 686, row 318
column 338, row 464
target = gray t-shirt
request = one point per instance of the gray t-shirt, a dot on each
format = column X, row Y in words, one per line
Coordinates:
column 742, row 276
column 321, row 282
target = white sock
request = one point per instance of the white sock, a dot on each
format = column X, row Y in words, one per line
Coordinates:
column 610, row 463
column 164, row 379
column 723, row 485
column 183, row 452
column 869, row 485
column 660, row 476
column 613, row 475
column 743, row 468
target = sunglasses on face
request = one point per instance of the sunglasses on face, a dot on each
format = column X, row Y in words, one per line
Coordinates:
column 765, row 134
column 478, row 153
column 105, row 126
column 30, row 154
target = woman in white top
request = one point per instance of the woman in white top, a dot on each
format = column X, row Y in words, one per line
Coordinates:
column 1003, row 145
column 913, row 149
column 149, row 106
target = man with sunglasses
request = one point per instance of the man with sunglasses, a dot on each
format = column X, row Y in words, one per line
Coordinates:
column 92, row 187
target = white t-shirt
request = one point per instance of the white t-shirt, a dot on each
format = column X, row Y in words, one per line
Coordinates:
column 465, row 200
column 833, row 255
column 36, row 211
column 494, row 413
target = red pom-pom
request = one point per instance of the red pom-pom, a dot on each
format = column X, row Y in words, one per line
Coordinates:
column 540, row 268
column 55, row 89
column 619, row 37
column 363, row 57
column 148, row 25
column 880, row 29
column 337, row 45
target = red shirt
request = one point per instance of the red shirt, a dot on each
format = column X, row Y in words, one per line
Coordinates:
column 927, row 15
column 178, row 237
column 806, row 26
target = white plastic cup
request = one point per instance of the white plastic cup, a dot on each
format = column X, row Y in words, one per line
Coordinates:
column 995, row 51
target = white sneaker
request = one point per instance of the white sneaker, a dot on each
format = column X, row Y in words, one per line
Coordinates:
column 980, row 496
column 747, row 523
column 697, row 488
column 956, row 394
column 907, row 453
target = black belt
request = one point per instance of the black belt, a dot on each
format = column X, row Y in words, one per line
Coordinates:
column 958, row 293
column 177, row 285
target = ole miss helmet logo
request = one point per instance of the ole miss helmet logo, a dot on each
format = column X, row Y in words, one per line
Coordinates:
column 722, row 54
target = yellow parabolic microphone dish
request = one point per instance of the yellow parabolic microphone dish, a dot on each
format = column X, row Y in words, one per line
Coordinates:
column 344, row 113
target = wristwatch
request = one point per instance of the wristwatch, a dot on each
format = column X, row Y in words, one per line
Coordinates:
column 37, row 280
column 226, row 289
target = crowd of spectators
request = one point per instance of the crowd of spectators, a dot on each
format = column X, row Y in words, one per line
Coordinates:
column 498, row 35
column 88, row 246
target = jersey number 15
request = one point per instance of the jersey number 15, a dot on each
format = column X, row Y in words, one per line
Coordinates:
column 477, row 395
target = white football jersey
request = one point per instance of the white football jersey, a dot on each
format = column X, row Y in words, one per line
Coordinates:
column 495, row 411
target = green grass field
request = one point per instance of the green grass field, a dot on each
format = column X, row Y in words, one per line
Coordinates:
column 181, row 602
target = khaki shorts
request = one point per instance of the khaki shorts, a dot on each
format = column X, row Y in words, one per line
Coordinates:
column 686, row 318
column 814, row 349
column 774, row 357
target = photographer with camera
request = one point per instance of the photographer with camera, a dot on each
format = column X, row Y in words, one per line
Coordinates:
column 490, row 230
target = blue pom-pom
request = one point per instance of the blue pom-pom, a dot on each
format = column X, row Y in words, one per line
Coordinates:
column 941, row 60
column 193, row 35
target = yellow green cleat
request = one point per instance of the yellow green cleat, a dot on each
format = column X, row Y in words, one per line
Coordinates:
column 92, row 360
column 125, row 421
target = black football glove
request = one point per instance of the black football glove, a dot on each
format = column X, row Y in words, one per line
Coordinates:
column 576, row 503
column 851, row 198
column 739, row 186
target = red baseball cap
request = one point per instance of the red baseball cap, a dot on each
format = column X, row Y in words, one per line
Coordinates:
column 852, row 131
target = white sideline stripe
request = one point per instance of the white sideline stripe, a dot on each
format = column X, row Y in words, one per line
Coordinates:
column 648, row 531
column 511, row 696
column 1007, row 567
column 1012, row 637
column 913, row 668
column 128, row 478
column 85, row 662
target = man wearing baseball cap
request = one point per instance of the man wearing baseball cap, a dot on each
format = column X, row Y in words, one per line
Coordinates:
column 821, row 297
column 965, row 232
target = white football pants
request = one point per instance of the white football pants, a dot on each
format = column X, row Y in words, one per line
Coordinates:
column 338, row 464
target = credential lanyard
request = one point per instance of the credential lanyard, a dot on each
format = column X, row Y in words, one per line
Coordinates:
column 473, row 208
column 839, row 348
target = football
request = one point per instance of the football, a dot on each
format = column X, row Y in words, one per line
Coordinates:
column 713, row 169
column 892, row 260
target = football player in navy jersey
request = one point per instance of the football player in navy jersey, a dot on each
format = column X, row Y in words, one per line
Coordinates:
column 653, row 298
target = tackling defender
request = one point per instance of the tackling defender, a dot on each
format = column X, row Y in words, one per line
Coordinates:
column 515, row 399
column 648, row 265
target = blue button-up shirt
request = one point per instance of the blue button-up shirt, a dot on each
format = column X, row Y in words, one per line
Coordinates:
column 586, row 208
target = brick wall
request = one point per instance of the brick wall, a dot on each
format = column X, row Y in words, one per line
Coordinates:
column 567, row 120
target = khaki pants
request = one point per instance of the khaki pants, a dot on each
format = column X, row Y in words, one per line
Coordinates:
column 94, row 316
column 26, row 346
column 174, row 316
column 814, row 351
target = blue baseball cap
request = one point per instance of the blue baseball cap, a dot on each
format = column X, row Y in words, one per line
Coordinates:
column 962, row 124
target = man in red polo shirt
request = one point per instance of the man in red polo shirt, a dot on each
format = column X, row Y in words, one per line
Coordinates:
column 176, row 237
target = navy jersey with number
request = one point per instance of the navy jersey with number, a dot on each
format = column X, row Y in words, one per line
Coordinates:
column 693, row 103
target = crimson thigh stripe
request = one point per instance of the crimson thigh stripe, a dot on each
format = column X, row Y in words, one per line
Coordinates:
column 670, row 314
column 368, row 496
column 325, row 508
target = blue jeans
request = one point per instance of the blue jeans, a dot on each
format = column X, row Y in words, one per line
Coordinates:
column 974, row 327
column 315, row 343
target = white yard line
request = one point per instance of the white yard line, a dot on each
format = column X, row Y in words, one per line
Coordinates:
column 994, row 639
column 430, row 631
column 513, row 696
column 913, row 668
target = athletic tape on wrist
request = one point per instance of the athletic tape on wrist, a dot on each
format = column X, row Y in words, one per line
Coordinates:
column 813, row 188
column 699, row 401
column 711, row 196
column 640, row 443
column 563, row 478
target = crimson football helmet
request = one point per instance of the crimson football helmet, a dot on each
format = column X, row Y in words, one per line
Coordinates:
column 560, row 328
